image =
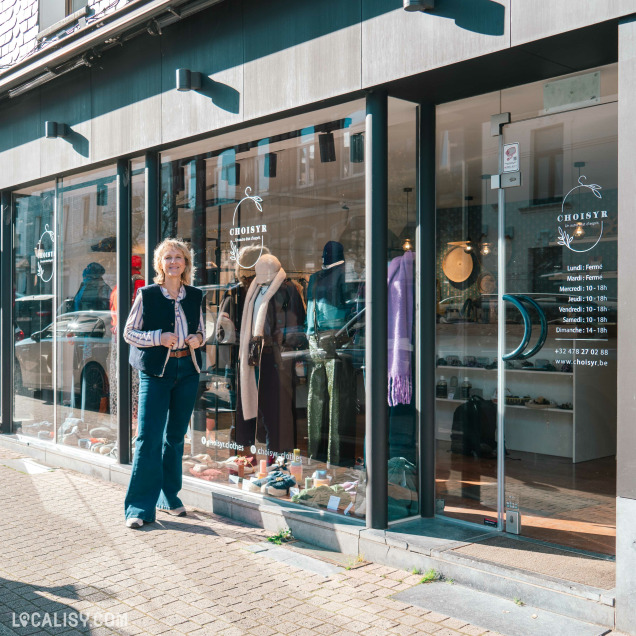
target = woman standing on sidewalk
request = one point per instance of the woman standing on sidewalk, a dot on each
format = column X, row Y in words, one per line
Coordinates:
column 165, row 330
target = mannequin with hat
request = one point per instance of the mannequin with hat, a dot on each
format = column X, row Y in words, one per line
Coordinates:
column 331, row 407
column 271, row 323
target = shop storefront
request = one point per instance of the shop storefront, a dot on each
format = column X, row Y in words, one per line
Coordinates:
column 281, row 407
column 411, row 289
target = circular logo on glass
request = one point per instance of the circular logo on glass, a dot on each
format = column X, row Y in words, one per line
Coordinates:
column 582, row 225
column 243, row 235
column 44, row 255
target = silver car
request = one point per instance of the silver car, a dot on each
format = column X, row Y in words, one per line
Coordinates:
column 84, row 340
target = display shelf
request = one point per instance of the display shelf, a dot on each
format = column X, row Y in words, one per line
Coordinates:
column 513, row 406
column 533, row 371
column 548, row 410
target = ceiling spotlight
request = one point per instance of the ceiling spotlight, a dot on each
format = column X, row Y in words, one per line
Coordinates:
column 485, row 249
column 53, row 129
column 579, row 231
column 188, row 80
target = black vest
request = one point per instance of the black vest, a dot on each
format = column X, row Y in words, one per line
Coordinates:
column 158, row 312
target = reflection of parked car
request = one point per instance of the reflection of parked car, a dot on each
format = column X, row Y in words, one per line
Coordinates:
column 83, row 345
column 33, row 313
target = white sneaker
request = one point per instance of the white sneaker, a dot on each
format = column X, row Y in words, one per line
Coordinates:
column 134, row 522
column 175, row 512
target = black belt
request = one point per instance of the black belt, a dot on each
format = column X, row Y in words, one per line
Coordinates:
column 180, row 353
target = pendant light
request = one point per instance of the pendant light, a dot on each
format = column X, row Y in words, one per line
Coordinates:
column 407, row 246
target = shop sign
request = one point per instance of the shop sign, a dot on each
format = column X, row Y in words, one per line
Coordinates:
column 586, row 314
column 511, row 157
column 45, row 255
column 592, row 217
column 243, row 235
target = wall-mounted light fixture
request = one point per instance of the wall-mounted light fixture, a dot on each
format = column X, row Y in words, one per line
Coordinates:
column 356, row 148
column 418, row 5
column 54, row 129
column 188, row 80
column 327, row 147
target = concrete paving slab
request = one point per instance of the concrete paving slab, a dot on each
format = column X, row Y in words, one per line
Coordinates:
column 296, row 559
column 493, row 612
column 26, row 465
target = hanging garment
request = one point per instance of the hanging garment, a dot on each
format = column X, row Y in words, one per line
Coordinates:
column 265, row 411
column 400, row 329
column 331, row 401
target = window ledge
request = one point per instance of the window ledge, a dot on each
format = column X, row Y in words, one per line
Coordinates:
column 62, row 24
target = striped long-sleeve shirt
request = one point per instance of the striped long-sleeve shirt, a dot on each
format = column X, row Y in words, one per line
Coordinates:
column 135, row 335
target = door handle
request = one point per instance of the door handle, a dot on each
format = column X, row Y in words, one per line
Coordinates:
column 518, row 354
column 544, row 328
column 527, row 327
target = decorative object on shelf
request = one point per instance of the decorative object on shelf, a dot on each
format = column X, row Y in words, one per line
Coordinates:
column 279, row 486
column 487, row 283
column 464, row 389
column 238, row 464
column 296, row 467
column 470, row 362
column 540, row 403
column 441, row 388
column 459, row 266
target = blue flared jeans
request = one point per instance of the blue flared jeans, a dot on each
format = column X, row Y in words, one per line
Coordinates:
column 165, row 407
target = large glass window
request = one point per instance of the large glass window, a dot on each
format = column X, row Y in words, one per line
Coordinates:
column 275, row 217
column 86, row 260
column 403, row 498
column 34, row 268
column 539, row 376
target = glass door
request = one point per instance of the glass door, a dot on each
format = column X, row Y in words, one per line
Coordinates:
column 556, row 396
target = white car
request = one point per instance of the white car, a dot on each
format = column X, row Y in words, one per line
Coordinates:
column 84, row 341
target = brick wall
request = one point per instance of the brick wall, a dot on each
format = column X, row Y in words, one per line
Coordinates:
column 19, row 27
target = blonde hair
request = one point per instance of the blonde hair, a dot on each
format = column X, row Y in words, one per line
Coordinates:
column 162, row 248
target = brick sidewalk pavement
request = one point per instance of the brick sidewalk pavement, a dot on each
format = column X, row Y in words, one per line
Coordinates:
column 64, row 549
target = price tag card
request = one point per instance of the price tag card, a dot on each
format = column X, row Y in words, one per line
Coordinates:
column 451, row 396
column 294, row 491
column 348, row 508
column 334, row 502
column 234, row 479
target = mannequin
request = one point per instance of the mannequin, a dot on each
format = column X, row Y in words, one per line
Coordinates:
column 331, row 412
column 272, row 314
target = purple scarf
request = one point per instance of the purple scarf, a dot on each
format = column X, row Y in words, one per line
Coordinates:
column 400, row 328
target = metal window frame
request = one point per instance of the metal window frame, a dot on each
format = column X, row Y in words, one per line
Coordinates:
column 6, row 311
column 376, row 212
column 124, row 292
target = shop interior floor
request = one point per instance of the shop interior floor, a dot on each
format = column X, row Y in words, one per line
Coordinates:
column 568, row 504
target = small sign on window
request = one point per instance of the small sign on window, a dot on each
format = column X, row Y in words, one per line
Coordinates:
column 511, row 157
